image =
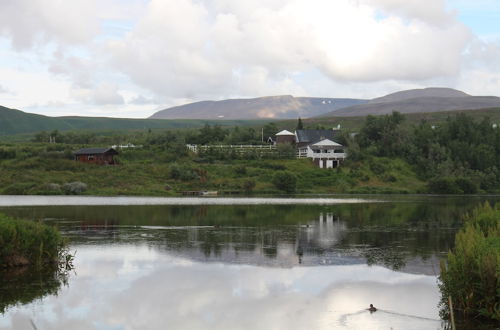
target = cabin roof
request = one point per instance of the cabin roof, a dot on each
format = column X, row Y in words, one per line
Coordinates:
column 284, row 132
column 96, row 151
column 315, row 135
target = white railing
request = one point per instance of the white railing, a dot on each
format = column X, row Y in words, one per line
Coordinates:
column 329, row 156
column 238, row 147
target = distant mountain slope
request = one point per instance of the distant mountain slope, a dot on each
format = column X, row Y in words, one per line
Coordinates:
column 419, row 93
column 17, row 122
column 419, row 101
column 279, row 107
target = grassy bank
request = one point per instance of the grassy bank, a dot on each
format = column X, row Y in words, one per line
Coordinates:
column 470, row 278
column 50, row 170
column 24, row 243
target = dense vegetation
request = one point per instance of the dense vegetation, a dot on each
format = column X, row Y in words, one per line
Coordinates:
column 471, row 275
column 461, row 155
column 25, row 243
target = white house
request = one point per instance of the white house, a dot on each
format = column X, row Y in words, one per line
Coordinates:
column 326, row 153
column 319, row 145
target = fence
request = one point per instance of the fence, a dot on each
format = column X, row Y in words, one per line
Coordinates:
column 230, row 147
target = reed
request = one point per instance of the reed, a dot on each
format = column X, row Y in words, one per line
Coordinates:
column 470, row 277
column 25, row 243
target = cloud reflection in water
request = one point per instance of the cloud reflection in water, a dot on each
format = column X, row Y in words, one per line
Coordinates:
column 137, row 287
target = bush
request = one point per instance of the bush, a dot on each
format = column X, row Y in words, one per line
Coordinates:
column 23, row 188
column 248, row 185
column 444, row 186
column 183, row 173
column 466, row 185
column 286, row 151
column 471, row 275
column 240, row 170
column 284, row 180
column 74, row 188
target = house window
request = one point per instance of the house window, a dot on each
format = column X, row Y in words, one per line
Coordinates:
column 316, row 151
column 90, row 157
column 339, row 151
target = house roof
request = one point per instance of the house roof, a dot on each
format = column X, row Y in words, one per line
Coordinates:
column 95, row 151
column 327, row 143
column 315, row 135
column 284, row 132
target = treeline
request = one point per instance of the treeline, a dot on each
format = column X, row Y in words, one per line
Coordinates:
column 461, row 155
column 203, row 136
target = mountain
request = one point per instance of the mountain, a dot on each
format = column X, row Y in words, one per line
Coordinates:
column 419, row 93
column 18, row 122
column 419, row 101
column 277, row 107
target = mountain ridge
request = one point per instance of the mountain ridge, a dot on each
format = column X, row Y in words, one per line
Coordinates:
column 266, row 107
column 419, row 101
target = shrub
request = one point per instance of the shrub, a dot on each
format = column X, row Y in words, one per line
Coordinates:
column 248, row 185
column 74, row 188
column 22, row 188
column 286, row 151
column 466, row 185
column 240, row 170
column 284, row 180
column 7, row 154
column 471, row 274
column 182, row 172
column 444, row 186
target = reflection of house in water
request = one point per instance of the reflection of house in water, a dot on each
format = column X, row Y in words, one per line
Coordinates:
column 329, row 230
column 320, row 235
column 283, row 246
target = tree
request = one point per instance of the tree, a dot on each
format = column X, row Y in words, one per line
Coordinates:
column 299, row 124
column 270, row 130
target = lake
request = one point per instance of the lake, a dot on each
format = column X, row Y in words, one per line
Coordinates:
column 215, row 263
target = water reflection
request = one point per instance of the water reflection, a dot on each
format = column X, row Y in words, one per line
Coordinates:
column 23, row 285
column 244, row 266
column 409, row 236
column 138, row 288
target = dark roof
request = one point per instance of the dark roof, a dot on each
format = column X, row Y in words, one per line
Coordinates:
column 95, row 151
column 315, row 135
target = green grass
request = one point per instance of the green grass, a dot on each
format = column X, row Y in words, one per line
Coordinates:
column 44, row 169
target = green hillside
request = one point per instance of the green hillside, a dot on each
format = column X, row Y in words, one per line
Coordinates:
column 355, row 123
column 18, row 122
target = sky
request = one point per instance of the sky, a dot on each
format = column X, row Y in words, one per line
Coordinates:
column 131, row 58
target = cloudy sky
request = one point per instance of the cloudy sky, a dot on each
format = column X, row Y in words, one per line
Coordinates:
column 130, row 58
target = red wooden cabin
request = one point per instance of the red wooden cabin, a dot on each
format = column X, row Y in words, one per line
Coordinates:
column 100, row 156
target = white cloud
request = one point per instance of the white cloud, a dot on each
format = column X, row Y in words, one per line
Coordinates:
column 28, row 22
column 111, row 52
column 4, row 90
column 431, row 11
column 137, row 287
column 241, row 47
column 102, row 94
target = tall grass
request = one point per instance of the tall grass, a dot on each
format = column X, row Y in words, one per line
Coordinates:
column 25, row 242
column 471, row 273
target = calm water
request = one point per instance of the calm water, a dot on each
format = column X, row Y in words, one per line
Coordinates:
column 260, row 264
